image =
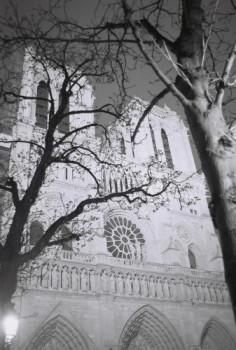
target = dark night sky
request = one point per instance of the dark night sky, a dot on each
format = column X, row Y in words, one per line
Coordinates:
column 83, row 11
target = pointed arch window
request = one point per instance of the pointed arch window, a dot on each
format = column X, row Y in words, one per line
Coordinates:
column 65, row 232
column 104, row 180
column 110, row 184
column 42, row 105
column 166, row 146
column 153, row 142
column 126, row 183
column 122, row 145
column 121, row 186
column 192, row 260
column 116, row 185
column 64, row 125
column 36, row 232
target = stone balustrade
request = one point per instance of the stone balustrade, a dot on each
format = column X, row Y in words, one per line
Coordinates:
column 102, row 274
column 139, row 264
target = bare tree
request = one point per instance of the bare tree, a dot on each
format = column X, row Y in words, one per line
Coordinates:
column 48, row 100
column 195, row 40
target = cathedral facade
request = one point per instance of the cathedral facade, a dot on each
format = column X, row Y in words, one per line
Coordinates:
column 148, row 280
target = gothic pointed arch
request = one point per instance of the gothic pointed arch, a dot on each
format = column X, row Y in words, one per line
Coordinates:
column 216, row 336
column 36, row 232
column 41, row 111
column 195, row 256
column 165, row 141
column 65, row 232
column 64, row 126
column 153, row 141
column 122, row 145
column 60, row 334
column 148, row 326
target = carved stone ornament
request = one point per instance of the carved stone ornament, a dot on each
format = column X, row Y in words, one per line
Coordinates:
column 183, row 234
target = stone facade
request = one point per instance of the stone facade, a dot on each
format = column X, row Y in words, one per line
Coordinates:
column 148, row 281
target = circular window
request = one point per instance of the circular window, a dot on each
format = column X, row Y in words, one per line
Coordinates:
column 124, row 238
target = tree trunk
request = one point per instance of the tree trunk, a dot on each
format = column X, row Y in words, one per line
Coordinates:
column 213, row 139
column 217, row 150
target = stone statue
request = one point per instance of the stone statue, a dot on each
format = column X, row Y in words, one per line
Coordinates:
column 112, row 287
column 55, row 277
column 212, row 293
column 152, row 292
column 65, row 278
column 225, row 294
column 144, row 288
column 128, row 286
column 92, row 280
column 136, row 286
column 219, row 294
column 206, row 293
column 182, row 290
column 159, row 288
column 44, row 276
column 166, row 289
column 194, row 291
column 74, row 279
column 120, row 284
column 104, row 281
column 84, row 281
column 173, row 289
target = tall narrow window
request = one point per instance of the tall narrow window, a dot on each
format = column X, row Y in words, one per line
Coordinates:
column 192, row 260
column 110, row 184
column 126, row 183
column 122, row 145
column 116, row 185
column 65, row 232
column 104, row 180
column 64, row 125
column 42, row 105
column 166, row 146
column 153, row 141
column 36, row 232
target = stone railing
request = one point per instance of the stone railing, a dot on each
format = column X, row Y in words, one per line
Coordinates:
column 102, row 274
column 139, row 264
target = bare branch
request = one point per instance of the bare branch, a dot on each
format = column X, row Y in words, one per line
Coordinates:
column 43, row 241
column 13, row 189
column 159, row 38
column 169, row 84
column 62, row 240
column 225, row 76
column 148, row 110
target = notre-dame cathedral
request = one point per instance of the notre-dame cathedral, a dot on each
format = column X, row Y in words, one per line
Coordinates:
column 152, row 280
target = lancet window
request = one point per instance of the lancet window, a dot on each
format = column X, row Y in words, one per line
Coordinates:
column 64, row 126
column 42, row 105
column 153, row 142
column 36, row 232
column 166, row 146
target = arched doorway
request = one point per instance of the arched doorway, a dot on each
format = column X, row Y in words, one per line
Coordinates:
column 216, row 336
column 58, row 334
column 148, row 329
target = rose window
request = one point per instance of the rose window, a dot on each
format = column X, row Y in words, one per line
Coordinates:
column 124, row 238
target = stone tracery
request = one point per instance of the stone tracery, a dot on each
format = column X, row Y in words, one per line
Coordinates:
column 216, row 336
column 148, row 326
column 58, row 333
column 124, row 238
